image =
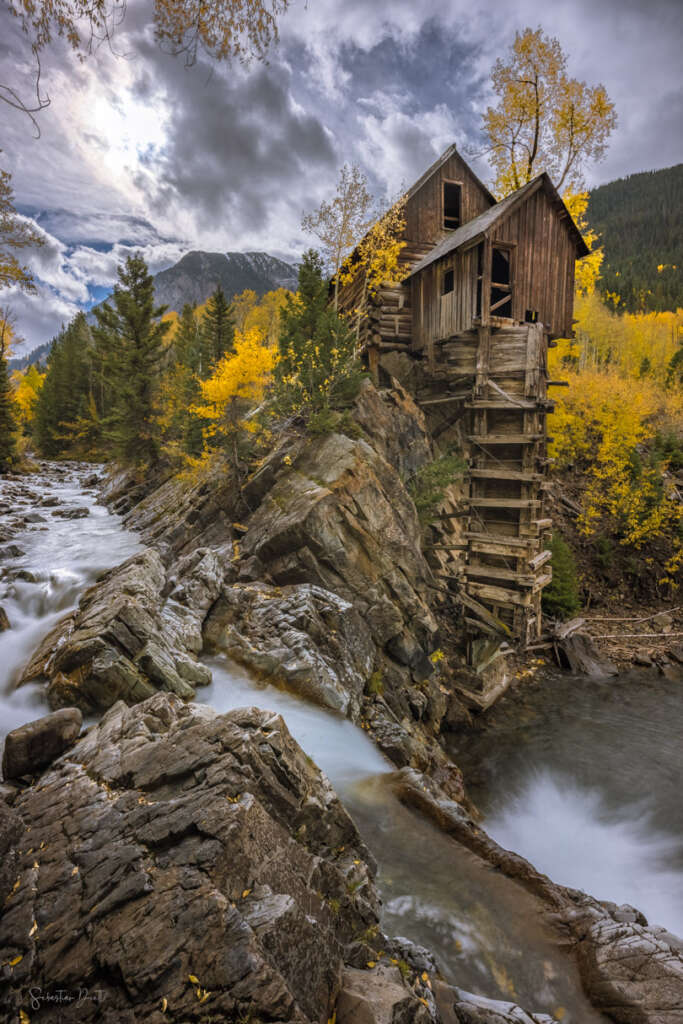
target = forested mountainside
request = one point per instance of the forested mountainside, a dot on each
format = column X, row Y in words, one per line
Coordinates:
column 197, row 275
column 640, row 222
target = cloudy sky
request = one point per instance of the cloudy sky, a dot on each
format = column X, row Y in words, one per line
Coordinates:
column 137, row 151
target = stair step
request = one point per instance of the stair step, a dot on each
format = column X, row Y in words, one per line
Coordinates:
column 505, row 474
column 504, row 502
column 484, row 439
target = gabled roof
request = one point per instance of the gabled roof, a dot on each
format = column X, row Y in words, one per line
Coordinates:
column 446, row 155
column 475, row 229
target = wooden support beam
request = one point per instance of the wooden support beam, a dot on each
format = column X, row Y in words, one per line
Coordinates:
column 442, row 399
column 494, row 572
column 492, row 403
column 501, row 540
column 500, row 595
column 557, row 383
column 484, row 613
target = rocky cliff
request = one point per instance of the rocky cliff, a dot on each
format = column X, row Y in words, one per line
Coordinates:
column 190, row 866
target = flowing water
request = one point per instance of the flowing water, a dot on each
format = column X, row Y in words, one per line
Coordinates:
column 583, row 778
column 45, row 566
column 602, row 775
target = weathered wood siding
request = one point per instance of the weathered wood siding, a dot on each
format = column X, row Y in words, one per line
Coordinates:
column 437, row 316
column 424, row 210
column 543, row 255
column 542, row 262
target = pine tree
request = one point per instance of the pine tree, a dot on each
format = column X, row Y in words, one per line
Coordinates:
column 65, row 397
column 318, row 370
column 187, row 343
column 218, row 331
column 132, row 332
column 8, row 419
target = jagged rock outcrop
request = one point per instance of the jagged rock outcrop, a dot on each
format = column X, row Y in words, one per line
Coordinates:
column 33, row 746
column 304, row 637
column 181, row 866
column 123, row 642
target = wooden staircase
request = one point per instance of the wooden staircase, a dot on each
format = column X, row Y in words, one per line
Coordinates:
column 495, row 382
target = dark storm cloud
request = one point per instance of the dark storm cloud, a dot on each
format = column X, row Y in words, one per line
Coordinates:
column 236, row 143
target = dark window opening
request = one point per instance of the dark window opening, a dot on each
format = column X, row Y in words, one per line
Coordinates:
column 531, row 316
column 451, row 205
column 480, row 275
column 447, row 282
column 501, row 289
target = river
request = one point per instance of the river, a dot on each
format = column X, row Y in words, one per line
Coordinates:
column 482, row 927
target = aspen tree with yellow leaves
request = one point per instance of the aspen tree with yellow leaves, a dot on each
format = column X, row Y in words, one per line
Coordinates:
column 544, row 120
column 376, row 257
column 237, row 384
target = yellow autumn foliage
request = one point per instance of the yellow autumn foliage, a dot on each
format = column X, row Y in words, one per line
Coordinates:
column 602, row 426
column 237, row 384
column 606, row 425
column 27, row 386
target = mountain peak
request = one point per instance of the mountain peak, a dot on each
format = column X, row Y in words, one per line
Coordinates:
column 197, row 274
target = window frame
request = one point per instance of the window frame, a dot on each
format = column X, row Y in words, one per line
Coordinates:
column 459, row 184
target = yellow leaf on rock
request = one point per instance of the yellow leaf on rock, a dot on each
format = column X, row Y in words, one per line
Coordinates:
column 195, row 981
column 16, row 960
column 245, row 893
column 164, row 1004
column 372, row 963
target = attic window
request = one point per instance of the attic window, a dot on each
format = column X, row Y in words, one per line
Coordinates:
column 452, row 195
column 447, row 282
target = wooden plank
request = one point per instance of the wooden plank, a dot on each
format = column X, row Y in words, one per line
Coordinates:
column 484, row 439
column 537, row 561
column 496, row 573
column 457, row 397
column 505, row 474
column 500, row 549
column 512, row 503
column 499, row 595
column 500, row 539
column 486, row 403
column 484, row 613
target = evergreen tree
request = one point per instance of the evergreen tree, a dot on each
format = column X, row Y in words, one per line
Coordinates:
column 218, row 331
column 318, row 370
column 67, row 394
column 187, row 343
column 132, row 332
column 8, row 419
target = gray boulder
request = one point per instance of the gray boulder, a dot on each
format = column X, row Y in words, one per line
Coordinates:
column 34, row 746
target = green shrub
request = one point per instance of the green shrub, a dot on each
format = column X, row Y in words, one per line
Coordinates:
column 428, row 487
column 375, row 684
column 561, row 596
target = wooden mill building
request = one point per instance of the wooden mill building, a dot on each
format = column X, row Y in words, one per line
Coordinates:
column 486, row 287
